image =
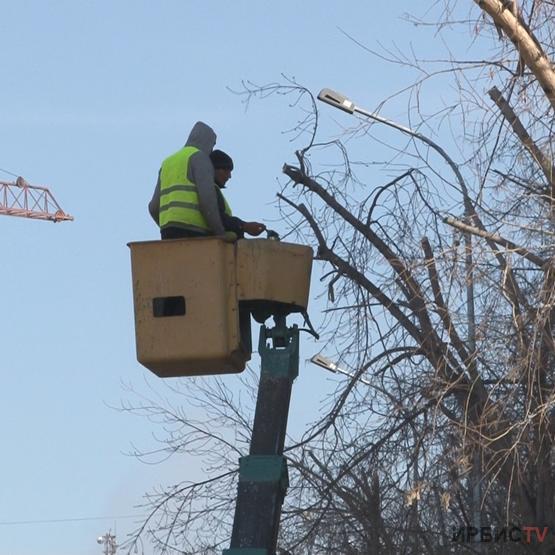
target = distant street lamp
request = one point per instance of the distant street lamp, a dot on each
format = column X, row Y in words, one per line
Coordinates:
column 327, row 364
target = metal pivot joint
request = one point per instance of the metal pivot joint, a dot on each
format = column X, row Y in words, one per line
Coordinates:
column 282, row 357
column 263, row 475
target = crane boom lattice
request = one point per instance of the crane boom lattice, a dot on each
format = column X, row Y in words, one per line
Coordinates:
column 30, row 201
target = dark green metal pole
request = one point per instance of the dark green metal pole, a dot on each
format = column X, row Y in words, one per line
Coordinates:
column 263, row 477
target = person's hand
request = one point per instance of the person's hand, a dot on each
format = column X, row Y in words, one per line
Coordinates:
column 253, row 228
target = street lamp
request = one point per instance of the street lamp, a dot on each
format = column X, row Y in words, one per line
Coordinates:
column 327, row 364
column 333, row 98
column 337, row 100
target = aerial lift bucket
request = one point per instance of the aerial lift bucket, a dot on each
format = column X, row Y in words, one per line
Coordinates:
column 193, row 299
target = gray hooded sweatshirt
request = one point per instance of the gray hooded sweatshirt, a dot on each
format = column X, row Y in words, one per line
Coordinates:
column 201, row 173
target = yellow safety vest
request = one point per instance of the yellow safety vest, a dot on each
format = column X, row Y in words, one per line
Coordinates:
column 227, row 208
column 179, row 202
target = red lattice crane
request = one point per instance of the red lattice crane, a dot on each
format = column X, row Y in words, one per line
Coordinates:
column 30, row 201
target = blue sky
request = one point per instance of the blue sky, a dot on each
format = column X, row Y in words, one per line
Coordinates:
column 94, row 95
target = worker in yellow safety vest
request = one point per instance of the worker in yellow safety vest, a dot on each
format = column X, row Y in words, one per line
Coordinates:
column 223, row 166
column 185, row 202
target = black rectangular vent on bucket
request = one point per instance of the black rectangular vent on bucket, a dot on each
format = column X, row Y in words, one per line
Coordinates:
column 168, row 306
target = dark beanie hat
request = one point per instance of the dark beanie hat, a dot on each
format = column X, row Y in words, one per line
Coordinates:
column 221, row 160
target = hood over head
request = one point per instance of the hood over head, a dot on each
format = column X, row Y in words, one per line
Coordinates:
column 202, row 137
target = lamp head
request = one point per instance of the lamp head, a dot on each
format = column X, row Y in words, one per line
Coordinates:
column 337, row 100
column 324, row 362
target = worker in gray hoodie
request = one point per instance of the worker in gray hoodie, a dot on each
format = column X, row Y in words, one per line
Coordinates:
column 185, row 202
